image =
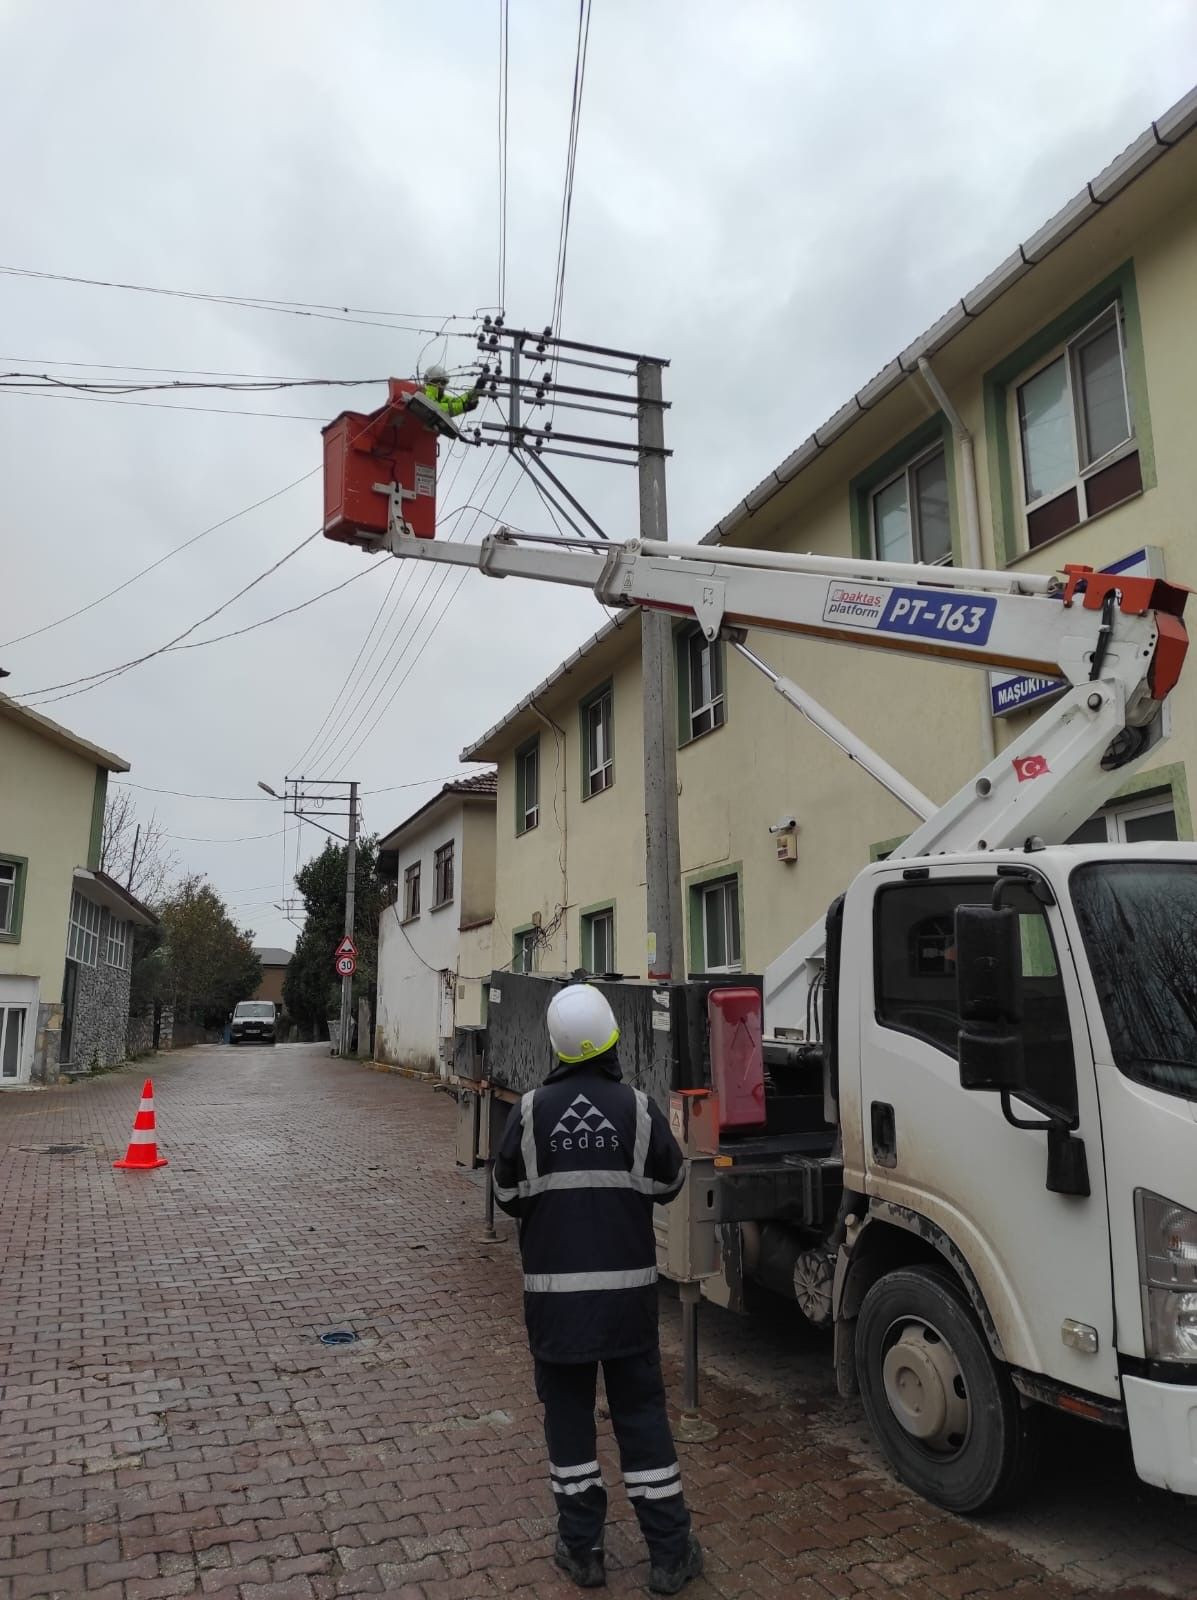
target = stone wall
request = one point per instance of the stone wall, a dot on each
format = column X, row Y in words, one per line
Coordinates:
column 101, row 1016
column 44, row 1068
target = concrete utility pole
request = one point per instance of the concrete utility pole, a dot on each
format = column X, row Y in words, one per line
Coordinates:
column 350, row 886
column 666, row 957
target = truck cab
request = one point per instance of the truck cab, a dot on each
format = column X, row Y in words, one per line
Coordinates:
column 1014, row 1059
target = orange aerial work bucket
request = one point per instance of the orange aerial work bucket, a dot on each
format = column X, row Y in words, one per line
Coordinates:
column 380, row 461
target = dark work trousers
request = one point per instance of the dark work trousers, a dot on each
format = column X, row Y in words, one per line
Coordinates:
column 647, row 1458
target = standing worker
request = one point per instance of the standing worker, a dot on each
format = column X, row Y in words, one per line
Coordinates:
column 584, row 1158
column 436, row 381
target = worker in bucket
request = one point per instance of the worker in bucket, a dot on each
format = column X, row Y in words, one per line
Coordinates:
column 436, row 381
column 584, row 1158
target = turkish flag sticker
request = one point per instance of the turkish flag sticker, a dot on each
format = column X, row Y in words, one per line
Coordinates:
column 1028, row 767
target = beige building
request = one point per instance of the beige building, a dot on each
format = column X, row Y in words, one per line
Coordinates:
column 1045, row 419
column 434, row 937
column 66, row 928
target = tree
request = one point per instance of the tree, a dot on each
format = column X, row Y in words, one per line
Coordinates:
column 311, row 989
column 210, row 962
column 134, row 852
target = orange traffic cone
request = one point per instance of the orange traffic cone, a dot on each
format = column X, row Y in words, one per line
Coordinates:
column 143, row 1148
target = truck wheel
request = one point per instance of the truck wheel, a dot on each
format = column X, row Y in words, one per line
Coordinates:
column 943, row 1410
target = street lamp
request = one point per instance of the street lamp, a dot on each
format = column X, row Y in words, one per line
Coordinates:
column 268, row 790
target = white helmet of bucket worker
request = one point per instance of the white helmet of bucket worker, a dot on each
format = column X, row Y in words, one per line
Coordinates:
column 581, row 1023
column 436, row 374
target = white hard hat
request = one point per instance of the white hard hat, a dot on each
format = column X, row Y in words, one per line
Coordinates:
column 435, row 374
column 581, row 1023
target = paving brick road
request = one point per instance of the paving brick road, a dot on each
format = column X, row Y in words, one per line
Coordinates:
column 171, row 1424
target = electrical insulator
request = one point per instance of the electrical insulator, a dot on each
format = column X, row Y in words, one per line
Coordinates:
column 498, row 322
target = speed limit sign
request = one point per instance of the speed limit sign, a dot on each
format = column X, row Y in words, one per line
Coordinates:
column 346, row 966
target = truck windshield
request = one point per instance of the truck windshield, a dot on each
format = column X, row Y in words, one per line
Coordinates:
column 256, row 1010
column 1139, row 921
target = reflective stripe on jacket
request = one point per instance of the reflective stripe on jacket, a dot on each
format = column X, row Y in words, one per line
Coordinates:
column 584, row 1158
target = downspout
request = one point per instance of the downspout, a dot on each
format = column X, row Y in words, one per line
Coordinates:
column 559, row 741
column 973, row 556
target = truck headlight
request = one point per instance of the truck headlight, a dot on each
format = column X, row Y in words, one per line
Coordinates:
column 1167, row 1240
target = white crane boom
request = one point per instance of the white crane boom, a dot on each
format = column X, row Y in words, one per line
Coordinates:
column 1118, row 642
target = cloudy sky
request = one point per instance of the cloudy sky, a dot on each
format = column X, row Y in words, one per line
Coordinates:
column 777, row 196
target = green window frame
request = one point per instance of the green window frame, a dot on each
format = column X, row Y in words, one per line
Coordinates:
column 596, row 717
column 904, row 463
column 12, row 896
column 527, row 785
column 701, row 668
column 523, row 948
column 700, row 887
column 1004, row 444
column 598, row 919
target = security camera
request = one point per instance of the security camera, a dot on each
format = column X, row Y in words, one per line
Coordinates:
column 786, row 825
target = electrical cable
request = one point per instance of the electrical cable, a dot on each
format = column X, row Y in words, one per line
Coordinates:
column 334, row 740
column 92, row 680
column 297, row 308
column 129, row 366
column 213, row 527
column 348, row 684
column 571, row 157
column 504, row 46
column 219, row 638
column 111, row 386
column 461, row 577
column 265, row 799
column 342, row 737
column 157, row 405
column 244, row 838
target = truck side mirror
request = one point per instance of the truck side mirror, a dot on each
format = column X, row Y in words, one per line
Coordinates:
column 988, row 964
column 989, row 998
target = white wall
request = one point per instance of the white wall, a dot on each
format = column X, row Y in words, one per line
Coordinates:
column 418, row 960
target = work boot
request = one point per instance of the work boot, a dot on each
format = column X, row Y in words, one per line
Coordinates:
column 587, row 1569
column 672, row 1580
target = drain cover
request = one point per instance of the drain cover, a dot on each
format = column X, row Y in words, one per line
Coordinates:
column 338, row 1336
column 56, row 1149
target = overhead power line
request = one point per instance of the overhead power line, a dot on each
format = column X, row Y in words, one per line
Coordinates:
column 30, row 380
column 402, row 322
column 340, row 735
column 157, row 405
column 353, row 675
column 504, row 45
column 265, row 799
column 346, row 757
column 92, row 680
column 571, row 158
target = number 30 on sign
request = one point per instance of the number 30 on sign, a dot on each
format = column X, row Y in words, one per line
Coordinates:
column 346, row 966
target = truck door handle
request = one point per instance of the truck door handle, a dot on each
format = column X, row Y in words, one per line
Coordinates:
column 885, row 1137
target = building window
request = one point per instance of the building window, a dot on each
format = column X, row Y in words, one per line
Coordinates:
column 1130, row 822
column 12, row 883
column 701, row 702
column 1076, row 431
column 909, row 512
column 523, row 955
column 718, row 924
column 119, row 943
column 598, row 752
column 442, row 876
column 598, row 940
column 527, row 786
column 12, row 1041
column 411, row 892
column 83, row 941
